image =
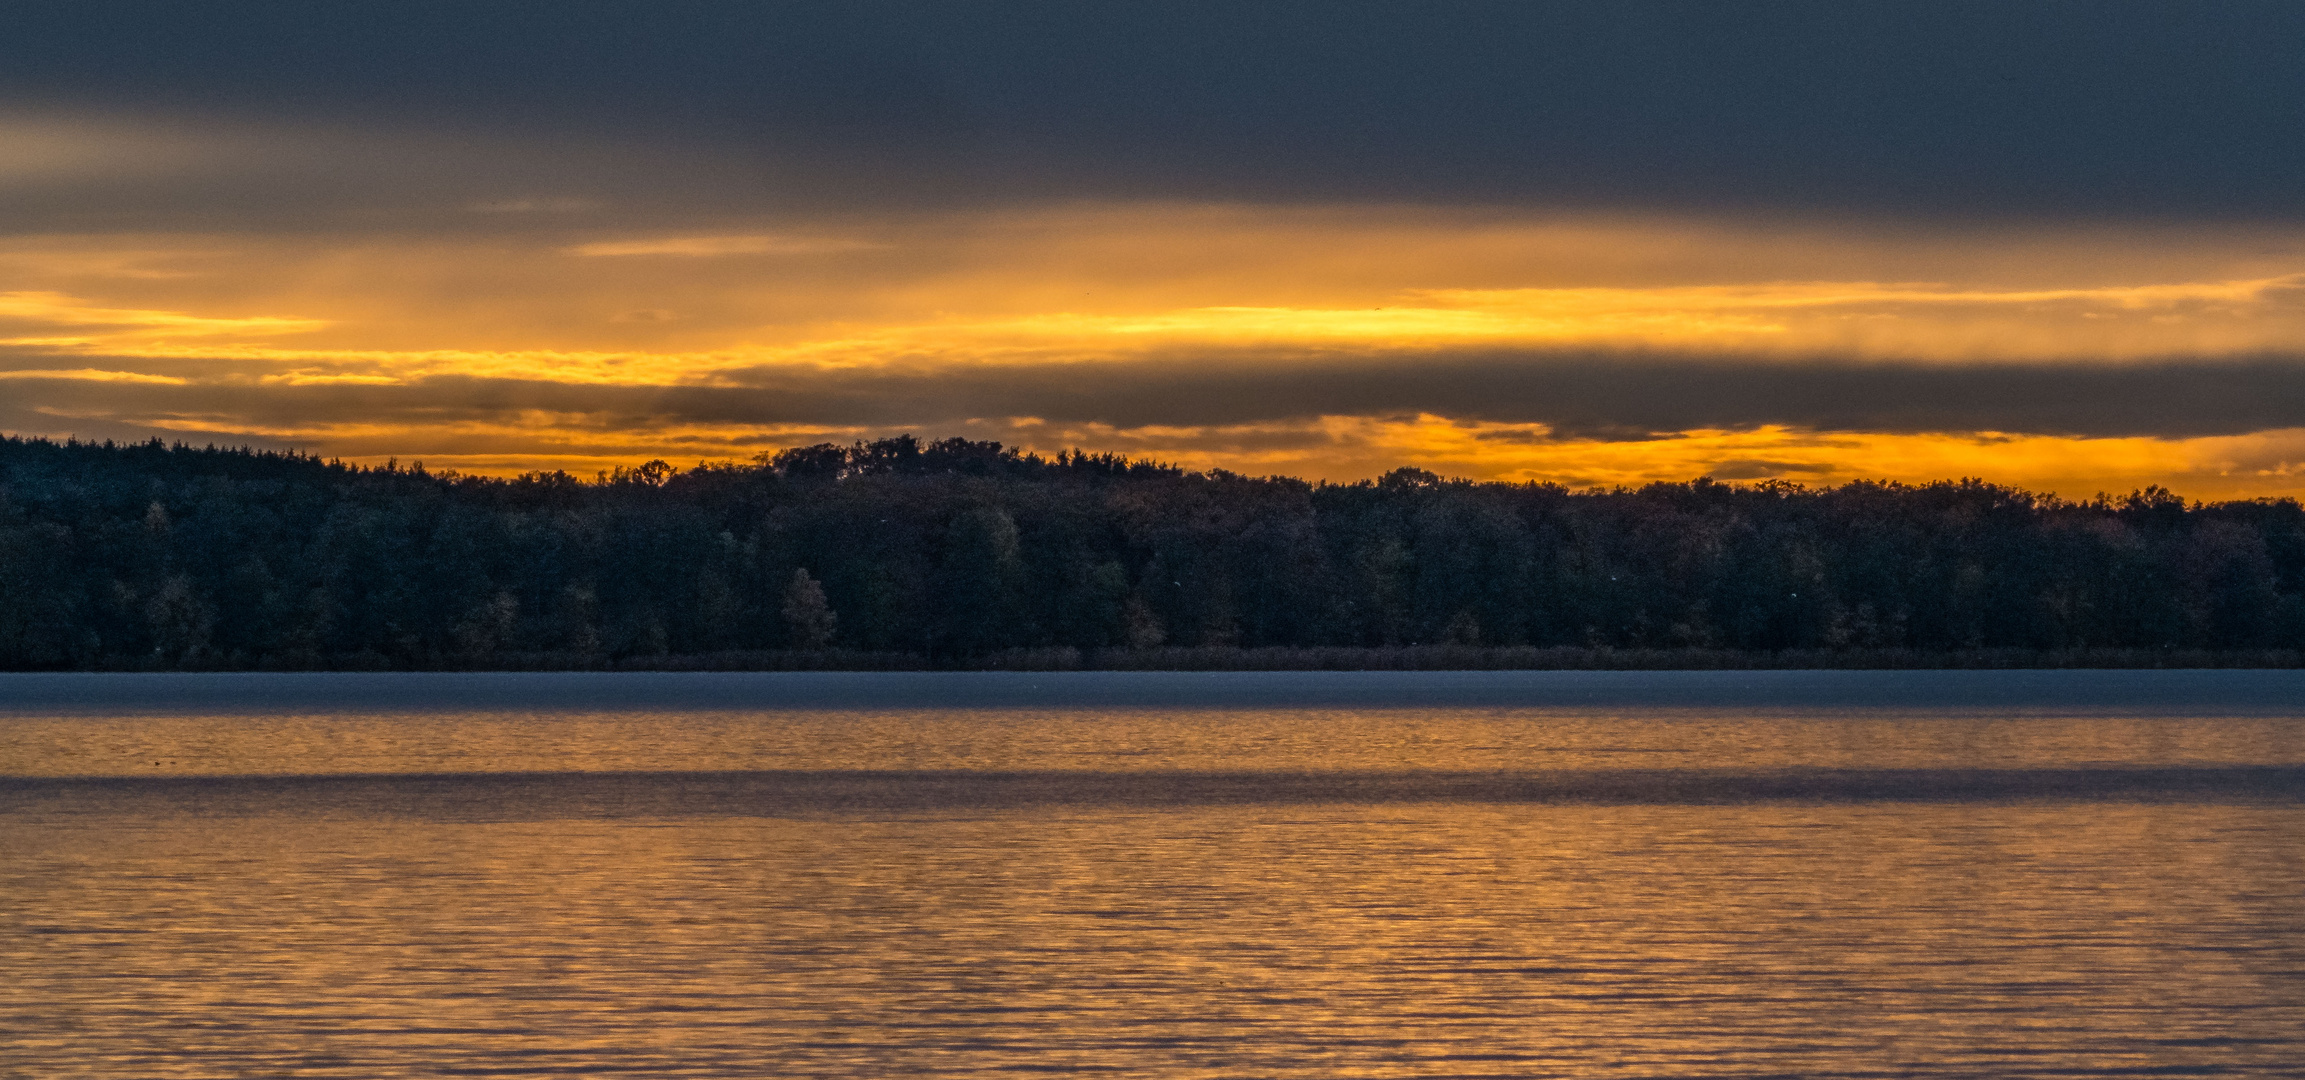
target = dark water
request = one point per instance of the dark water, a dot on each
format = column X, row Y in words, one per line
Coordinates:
column 1670, row 874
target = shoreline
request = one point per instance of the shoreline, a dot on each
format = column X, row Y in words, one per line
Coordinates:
column 1427, row 658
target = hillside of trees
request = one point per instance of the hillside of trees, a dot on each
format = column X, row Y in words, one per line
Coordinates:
column 902, row 553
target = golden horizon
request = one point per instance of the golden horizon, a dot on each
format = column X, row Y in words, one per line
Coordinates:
column 1329, row 343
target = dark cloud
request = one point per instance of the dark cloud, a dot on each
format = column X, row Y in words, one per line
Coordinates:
column 1606, row 396
column 1762, row 469
column 1609, row 397
column 2063, row 108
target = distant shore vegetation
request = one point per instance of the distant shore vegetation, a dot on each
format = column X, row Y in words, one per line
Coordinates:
column 902, row 554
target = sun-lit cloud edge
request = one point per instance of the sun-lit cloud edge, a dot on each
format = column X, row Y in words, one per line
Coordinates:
column 95, row 375
column 1859, row 319
column 58, row 309
column 1804, row 294
column 711, row 246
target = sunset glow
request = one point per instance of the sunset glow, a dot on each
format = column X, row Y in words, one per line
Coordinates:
column 570, row 346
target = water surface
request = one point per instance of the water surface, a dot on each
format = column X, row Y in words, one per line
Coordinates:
column 1500, row 874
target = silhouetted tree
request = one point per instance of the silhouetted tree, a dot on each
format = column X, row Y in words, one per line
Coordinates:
column 979, row 580
column 808, row 618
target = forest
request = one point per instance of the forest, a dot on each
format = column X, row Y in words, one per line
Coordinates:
column 903, row 553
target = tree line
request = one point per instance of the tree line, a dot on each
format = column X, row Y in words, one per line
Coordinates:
column 155, row 556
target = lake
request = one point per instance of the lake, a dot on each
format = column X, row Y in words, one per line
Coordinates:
column 1492, row 874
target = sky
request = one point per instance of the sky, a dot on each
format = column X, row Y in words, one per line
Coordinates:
column 2056, row 245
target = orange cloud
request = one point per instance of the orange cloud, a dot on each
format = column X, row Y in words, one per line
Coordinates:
column 94, row 375
column 1089, row 291
column 52, row 309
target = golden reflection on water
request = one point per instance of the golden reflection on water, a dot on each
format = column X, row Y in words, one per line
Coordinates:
column 1152, row 892
column 1310, row 940
column 1125, row 740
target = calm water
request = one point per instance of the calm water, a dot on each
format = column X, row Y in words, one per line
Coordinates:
column 1672, row 874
